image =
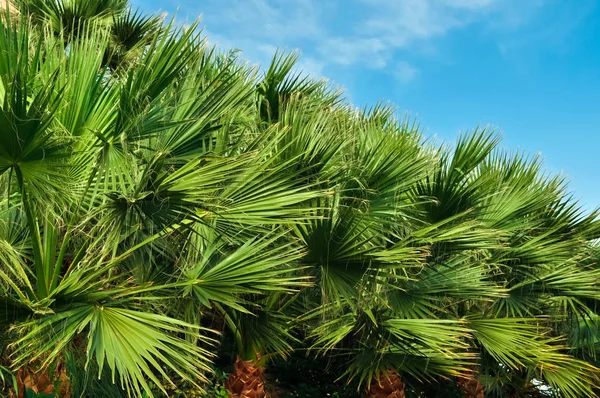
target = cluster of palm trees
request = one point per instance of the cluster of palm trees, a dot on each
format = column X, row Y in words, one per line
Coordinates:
column 160, row 199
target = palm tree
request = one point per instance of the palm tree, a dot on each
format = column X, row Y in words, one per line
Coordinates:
column 129, row 209
column 471, row 270
column 129, row 30
column 539, row 259
column 259, row 335
column 158, row 198
column 69, row 16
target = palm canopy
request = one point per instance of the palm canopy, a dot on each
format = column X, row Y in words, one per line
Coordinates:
column 491, row 254
column 104, row 174
column 150, row 184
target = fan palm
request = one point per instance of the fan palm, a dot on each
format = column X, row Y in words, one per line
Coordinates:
column 129, row 30
column 159, row 198
column 68, row 16
column 482, row 252
column 95, row 201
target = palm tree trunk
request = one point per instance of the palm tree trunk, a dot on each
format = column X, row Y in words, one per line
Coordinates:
column 41, row 382
column 472, row 387
column 246, row 380
column 388, row 386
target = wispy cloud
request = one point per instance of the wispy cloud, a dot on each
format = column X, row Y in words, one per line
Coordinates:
column 405, row 72
column 311, row 66
column 273, row 20
column 364, row 33
column 350, row 51
column 401, row 25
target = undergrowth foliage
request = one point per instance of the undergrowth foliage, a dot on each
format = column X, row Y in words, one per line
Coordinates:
column 160, row 200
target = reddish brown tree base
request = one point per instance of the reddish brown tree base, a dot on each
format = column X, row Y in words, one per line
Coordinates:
column 246, row 380
column 388, row 386
column 40, row 382
column 472, row 388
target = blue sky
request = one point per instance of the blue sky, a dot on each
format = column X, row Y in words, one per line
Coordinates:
column 529, row 67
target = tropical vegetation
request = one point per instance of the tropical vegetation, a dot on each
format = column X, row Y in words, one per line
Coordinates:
column 167, row 208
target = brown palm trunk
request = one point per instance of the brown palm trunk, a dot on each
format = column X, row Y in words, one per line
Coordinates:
column 388, row 386
column 472, row 387
column 41, row 382
column 246, row 380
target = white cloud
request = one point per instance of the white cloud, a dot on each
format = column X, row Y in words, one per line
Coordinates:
column 311, row 67
column 222, row 42
column 405, row 72
column 341, row 50
column 403, row 23
column 272, row 19
column 470, row 4
column 388, row 26
column 367, row 33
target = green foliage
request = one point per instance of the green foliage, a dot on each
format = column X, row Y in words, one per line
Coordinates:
column 7, row 378
column 215, row 388
column 165, row 207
